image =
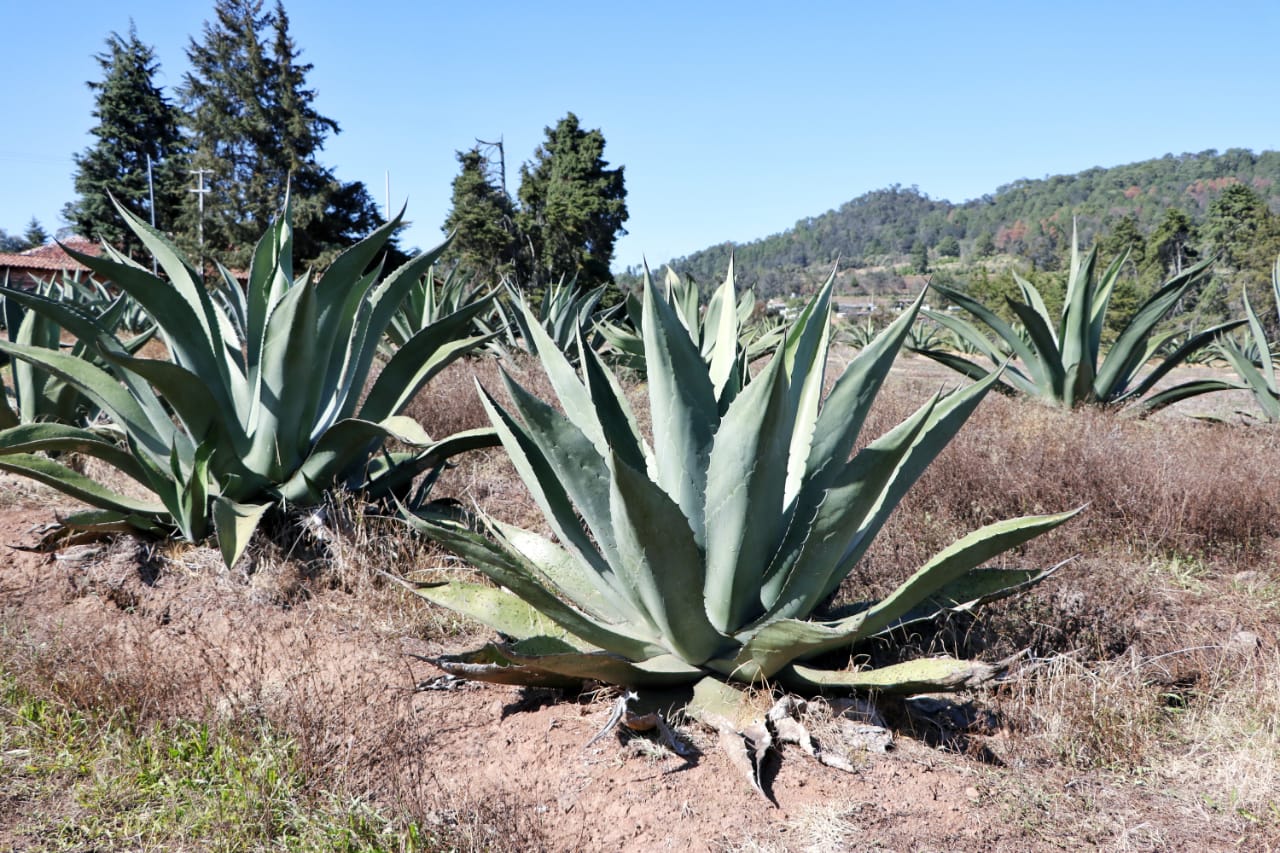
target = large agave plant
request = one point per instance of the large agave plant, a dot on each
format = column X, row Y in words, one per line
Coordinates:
column 1062, row 362
column 264, row 397
column 704, row 554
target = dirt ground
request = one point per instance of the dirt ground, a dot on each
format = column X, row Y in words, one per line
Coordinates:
column 166, row 631
column 211, row 641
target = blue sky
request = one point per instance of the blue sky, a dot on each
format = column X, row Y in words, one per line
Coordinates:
column 733, row 120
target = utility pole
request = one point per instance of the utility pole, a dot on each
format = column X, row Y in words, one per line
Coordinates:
column 151, row 194
column 200, row 189
column 502, row 161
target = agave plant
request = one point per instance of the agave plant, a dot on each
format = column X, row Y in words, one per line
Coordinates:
column 565, row 315
column 1254, row 361
column 38, row 395
column 430, row 300
column 264, row 396
column 860, row 335
column 727, row 316
column 925, row 336
column 1063, row 363
column 704, row 555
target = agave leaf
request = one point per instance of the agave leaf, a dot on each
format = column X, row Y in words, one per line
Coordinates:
column 89, row 329
column 509, row 570
column 561, row 571
column 614, row 414
column 375, row 315
column 192, row 401
column 722, row 339
column 926, row 675
column 1193, row 344
column 765, row 649
column 270, row 279
column 1006, row 333
column 573, row 396
column 805, row 356
column 577, row 469
column 279, row 431
column 490, row 664
column 842, row 416
column 658, row 671
column 498, row 609
column 826, row 520
column 169, row 305
column 347, row 445
column 976, row 372
column 1119, row 363
column 552, row 497
column 63, row 438
column 973, row 589
column 103, row 389
column 661, row 562
column 1050, row 360
column 683, row 407
column 746, row 484
column 1101, row 301
column 72, row 483
column 955, row 562
column 974, row 338
column 1259, row 334
column 429, row 351
column 1035, row 301
column 235, row 524
column 1185, row 391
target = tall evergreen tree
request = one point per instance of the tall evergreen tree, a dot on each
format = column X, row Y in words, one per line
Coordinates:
column 255, row 130
column 571, row 207
column 135, row 122
column 1245, row 235
column 482, row 220
column 35, row 234
column 1171, row 247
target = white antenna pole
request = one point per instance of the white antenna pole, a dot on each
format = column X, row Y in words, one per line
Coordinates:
column 151, row 192
column 388, row 195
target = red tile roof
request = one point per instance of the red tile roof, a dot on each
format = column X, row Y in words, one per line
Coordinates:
column 50, row 256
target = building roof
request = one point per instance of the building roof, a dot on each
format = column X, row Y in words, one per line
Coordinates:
column 50, row 257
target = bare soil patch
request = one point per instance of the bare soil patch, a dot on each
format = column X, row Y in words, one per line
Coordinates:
column 166, row 632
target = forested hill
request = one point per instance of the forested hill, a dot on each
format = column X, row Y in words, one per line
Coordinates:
column 1027, row 218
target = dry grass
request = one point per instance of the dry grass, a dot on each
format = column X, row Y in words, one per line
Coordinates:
column 1142, row 672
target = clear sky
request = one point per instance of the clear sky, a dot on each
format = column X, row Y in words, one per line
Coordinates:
column 733, row 120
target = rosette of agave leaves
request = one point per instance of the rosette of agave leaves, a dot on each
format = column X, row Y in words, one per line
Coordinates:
column 701, row 555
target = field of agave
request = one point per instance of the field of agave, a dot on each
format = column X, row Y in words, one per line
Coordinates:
column 713, row 517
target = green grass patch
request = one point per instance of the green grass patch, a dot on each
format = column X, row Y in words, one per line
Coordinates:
column 74, row 780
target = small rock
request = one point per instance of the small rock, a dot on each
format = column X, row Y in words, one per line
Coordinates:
column 1243, row 643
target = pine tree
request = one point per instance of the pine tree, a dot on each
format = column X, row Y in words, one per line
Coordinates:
column 135, row 122
column 255, row 131
column 1171, row 247
column 571, row 208
column 920, row 257
column 35, row 234
column 481, row 219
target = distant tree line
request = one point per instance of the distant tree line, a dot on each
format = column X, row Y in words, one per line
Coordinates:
column 1176, row 204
